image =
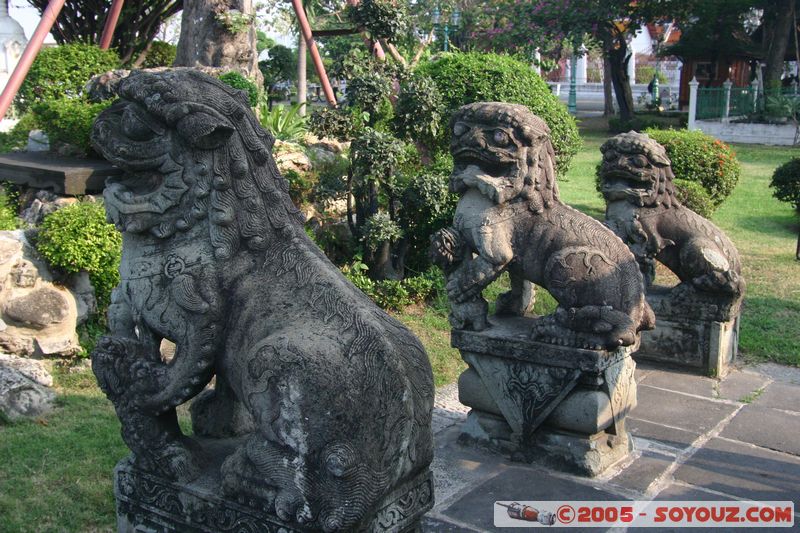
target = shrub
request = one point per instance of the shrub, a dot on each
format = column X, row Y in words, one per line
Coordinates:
column 391, row 294
column 69, row 121
column 17, row 138
column 237, row 81
column 77, row 237
column 160, row 54
column 333, row 123
column 378, row 229
column 419, row 110
column 384, row 19
column 427, row 206
column 474, row 77
column 285, row 123
column 703, row 159
column 694, row 196
column 63, row 71
column 786, row 182
column 8, row 218
column 369, row 92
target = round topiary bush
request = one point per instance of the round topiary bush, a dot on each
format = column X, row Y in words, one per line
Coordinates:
column 77, row 237
column 475, row 77
column 702, row 159
column 63, row 71
column 694, row 196
column 160, row 54
column 69, row 121
column 238, row 81
column 786, row 182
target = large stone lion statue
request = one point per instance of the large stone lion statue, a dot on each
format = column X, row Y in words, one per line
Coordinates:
column 322, row 402
column 642, row 208
column 509, row 218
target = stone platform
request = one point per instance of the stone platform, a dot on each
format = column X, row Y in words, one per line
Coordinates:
column 695, row 438
column 692, row 334
column 62, row 175
column 559, row 406
column 150, row 503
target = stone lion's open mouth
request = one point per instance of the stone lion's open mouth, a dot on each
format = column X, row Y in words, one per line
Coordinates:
column 136, row 186
column 619, row 184
column 492, row 166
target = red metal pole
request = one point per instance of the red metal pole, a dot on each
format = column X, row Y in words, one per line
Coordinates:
column 34, row 45
column 305, row 28
column 111, row 23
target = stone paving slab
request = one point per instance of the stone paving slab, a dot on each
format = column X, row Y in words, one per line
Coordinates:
column 679, row 410
column 743, row 470
column 673, row 437
column 780, row 396
column 741, row 386
column 644, row 472
column 681, row 382
column 766, row 427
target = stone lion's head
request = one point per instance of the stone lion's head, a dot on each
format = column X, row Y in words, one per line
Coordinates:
column 504, row 150
column 636, row 169
column 191, row 150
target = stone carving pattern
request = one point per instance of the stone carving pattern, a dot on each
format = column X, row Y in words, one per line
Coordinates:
column 510, row 218
column 330, row 397
column 620, row 385
column 642, row 208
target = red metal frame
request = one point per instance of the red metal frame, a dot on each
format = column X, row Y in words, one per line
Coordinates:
column 308, row 35
column 31, row 51
column 111, row 23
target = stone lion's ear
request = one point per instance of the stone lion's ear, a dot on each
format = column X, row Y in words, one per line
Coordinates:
column 204, row 131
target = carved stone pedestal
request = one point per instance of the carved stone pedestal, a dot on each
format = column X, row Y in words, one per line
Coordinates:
column 149, row 503
column 560, row 406
column 692, row 333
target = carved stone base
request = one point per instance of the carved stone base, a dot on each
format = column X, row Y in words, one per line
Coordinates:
column 147, row 503
column 690, row 333
column 560, row 406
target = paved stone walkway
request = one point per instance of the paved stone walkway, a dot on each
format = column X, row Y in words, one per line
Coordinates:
column 696, row 438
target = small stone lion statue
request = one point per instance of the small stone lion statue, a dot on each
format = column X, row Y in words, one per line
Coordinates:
column 322, row 402
column 509, row 218
column 642, row 208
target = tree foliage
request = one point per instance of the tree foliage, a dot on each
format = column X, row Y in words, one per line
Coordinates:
column 139, row 22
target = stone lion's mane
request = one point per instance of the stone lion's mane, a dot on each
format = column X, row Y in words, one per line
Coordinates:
column 245, row 193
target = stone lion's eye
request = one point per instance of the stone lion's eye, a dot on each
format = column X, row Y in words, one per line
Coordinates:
column 460, row 129
column 639, row 161
column 610, row 155
column 501, row 138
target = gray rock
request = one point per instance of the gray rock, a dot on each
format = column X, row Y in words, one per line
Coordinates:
column 21, row 397
column 38, row 141
column 39, row 308
column 321, row 409
column 32, row 368
column 510, row 218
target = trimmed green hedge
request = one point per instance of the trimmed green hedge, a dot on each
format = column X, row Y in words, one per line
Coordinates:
column 77, row 237
column 702, row 159
column 786, row 182
column 69, row 121
column 463, row 78
column 62, row 72
column 238, row 81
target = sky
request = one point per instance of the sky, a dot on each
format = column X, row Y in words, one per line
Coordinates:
column 27, row 16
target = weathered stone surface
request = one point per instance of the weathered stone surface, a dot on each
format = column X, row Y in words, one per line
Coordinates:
column 290, row 157
column 39, row 308
column 743, row 470
column 670, row 408
column 510, row 218
column 32, row 368
column 673, row 437
column 39, row 317
column 642, row 208
column 321, row 410
column 765, row 427
column 20, row 396
column 780, row 396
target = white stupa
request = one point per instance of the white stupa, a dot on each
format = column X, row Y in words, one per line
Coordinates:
column 12, row 43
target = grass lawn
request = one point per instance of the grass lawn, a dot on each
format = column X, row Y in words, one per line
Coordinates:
column 55, row 473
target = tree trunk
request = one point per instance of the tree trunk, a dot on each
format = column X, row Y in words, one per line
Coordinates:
column 618, row 57
column 302, row 74
column 777, row 29
column 608, row 95
column 206, row 41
